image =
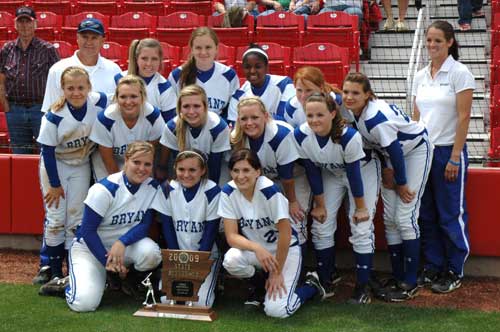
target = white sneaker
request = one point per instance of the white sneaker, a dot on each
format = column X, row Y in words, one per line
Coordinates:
column 389, row 24
column 401, row 26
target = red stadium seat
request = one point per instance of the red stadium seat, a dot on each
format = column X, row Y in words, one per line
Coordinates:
column 279, row 58
column 129, row 26
column 116, row 53
column 241, row 36
column 176, row 28
column 48, row 25
column 105, row 7
column 337, row 27
column 151, row 7
column 6, row 25
column 333, row 60
column 199, row 7
column 225, row 55
column 61, row 7
column 64, row 48
column 68, row 30
column 280, row 27
column 10, row 6
column 171, row 58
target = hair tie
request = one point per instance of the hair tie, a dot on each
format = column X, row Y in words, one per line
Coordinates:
column 256, row 50
column 202, row 157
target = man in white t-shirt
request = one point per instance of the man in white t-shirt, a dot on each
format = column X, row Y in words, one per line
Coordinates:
column 90, row 39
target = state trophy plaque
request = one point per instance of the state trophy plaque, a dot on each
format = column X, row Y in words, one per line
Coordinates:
column 182, row 274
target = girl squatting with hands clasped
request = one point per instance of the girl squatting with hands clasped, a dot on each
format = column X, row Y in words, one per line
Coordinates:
column 64, row 164
column 264, row 247
column 113, row 234
column 407, row 158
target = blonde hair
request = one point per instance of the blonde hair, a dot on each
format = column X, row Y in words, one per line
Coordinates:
column 73, row 72
column 238, row 137
column 139, row 147
column 135, row 50
column 188, row 73
column 131, row 80
column 181, row 124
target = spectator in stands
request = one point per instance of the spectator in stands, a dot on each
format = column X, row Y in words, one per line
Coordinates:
column 145, row 60
column 390, row 24
column 274, row 6
column 90, row 38
column 24, row 64
column 304, row 7
column 467, row 9
column 222, row 7
column 442, row 94
column 353, row 7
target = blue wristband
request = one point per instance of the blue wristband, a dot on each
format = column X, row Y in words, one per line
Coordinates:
column 454, row 163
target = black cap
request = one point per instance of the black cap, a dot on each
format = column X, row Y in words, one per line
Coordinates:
column 92, row 25
column 25, row 12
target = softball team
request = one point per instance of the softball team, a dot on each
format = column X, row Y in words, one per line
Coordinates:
column 282, row 171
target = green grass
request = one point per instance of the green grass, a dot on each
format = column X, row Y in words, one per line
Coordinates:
column 21, row 309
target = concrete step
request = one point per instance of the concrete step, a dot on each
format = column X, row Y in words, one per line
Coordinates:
column 443, row 11
column 399, row 70
column 398, row 39
column 404, row 53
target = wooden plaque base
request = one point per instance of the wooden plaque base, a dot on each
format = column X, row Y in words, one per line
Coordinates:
column 177, row 311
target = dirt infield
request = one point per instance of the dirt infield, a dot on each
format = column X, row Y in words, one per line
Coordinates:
column 476, row 293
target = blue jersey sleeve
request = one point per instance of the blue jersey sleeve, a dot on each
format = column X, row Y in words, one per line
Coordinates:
column 167, row 226
column 313, row 174
column 353, row 171
column 88, row 231
column 209, row 233
column 214, row 166
column 139, row 231
column 286, row 171
column 49, row 161
column 398, row 162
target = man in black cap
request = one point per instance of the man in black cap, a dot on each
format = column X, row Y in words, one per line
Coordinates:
column 90, row 39
column 24, row 65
